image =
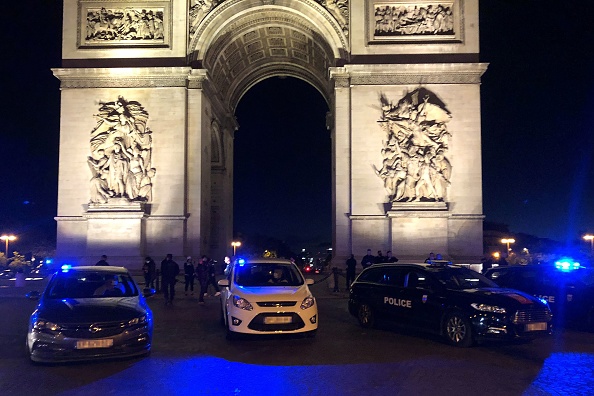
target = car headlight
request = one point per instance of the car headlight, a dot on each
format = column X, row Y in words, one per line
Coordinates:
column 135, row 321
column 242, row 303
column 308, row 302
column 488, row 308
column 44, row 325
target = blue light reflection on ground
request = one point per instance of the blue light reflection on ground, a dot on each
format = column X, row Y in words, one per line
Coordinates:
column 561, row 374
column 565, row 374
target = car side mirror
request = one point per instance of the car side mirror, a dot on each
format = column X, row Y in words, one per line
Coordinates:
column 223, row 283
column 309, row 281
column 33, row 295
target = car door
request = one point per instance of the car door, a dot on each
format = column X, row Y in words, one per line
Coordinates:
column 390, row 296
column 423, row 292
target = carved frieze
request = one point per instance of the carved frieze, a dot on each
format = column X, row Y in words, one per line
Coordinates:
column 416, row 166
column 414, row 21
column 121, row 154
column 120, row 23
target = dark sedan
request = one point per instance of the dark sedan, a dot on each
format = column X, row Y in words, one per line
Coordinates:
column 87, row 313
column 460, row 304
column 569, row 289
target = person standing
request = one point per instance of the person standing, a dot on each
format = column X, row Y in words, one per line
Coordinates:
column 379, row 258
column 202, row 277
column 148, row 269
column 368, row 259
column 189, row 273
column 103, row 261
column 169, row 271
column 389, row 258
column 211, row 277
column 351, row 264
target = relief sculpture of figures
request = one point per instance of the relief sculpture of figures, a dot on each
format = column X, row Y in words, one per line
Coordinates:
column 339, row 10
column 121, row 148
column 199, row 9
column 415, row 166
column 124, row 24
column 411, row 20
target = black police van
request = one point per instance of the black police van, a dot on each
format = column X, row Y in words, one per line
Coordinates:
column 455, row 302
column 568, row 289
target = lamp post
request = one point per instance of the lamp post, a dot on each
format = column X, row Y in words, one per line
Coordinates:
column 7, row 238
column 507, row 241
column 235, row 245
column 590, row 238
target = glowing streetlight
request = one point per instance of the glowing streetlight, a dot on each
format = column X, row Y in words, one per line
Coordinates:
column 590, row 238
column 7, row 238
column 235, row 245
column 507, row 241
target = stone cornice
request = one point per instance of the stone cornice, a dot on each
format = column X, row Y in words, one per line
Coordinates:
column 141, row 77
column 399, row 74
column 340, row 76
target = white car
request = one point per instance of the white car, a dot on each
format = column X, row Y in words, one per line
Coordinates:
column 267, row 296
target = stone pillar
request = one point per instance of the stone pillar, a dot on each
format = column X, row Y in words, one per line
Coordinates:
column 341, row 164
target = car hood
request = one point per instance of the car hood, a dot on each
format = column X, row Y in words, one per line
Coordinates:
column 504, row 297
column 273, row 293
column 82, row 310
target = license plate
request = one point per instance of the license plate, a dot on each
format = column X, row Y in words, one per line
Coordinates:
column 536, row 326
column 277, row 319
column 87, row 344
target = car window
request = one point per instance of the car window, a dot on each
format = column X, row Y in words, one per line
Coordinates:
column 461, row 278
column 373, row 275
column 77, row 284
column 267, row 274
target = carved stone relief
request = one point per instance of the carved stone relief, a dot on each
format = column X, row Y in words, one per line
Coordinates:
column 339, row 10
column 124, row 25
column 415, row 165
column 199, row 9
column 121, row 150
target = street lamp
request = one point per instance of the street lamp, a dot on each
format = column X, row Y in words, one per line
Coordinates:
column 590, row 238
column 7, row 238
column 235, row 245
column 507, row 241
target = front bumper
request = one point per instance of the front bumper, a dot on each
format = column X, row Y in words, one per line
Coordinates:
column 272, row 320
column 51, row 348
column 501, row 327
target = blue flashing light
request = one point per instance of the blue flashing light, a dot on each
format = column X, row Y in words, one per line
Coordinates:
column 566, row 265
column 66, row 267
column 48, row 261
column 241, row 262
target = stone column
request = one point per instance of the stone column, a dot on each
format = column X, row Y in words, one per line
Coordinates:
column 341, row 164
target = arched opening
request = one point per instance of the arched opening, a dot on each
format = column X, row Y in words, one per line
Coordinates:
column 282, row 165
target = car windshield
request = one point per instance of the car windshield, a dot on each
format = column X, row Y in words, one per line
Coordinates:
column 89, row 284
column 267, row 274
column 462, row 278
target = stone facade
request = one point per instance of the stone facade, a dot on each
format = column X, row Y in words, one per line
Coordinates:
column 188, row 64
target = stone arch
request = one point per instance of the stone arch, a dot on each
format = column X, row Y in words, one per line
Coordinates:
column 243, row 42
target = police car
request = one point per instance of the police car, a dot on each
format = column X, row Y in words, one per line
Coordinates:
column 455, row 302
column 567, row 286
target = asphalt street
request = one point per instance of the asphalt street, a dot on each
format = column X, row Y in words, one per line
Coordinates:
column 192, row 356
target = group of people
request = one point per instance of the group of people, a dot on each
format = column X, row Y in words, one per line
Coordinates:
column 367, row 260
column 204, row 271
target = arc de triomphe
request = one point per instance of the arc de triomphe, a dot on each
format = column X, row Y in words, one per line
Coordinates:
column 148, row 94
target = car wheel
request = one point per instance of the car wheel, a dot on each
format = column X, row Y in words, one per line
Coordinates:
column 458, row 330
column 365, row 316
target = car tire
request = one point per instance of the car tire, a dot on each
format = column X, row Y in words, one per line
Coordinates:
column 458, row 330
column 366, row 316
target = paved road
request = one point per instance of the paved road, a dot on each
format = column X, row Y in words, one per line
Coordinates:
column 191, row 356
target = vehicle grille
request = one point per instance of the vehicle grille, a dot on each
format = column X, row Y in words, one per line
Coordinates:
column 93, row 330
column 274, row 304
column 532, row 315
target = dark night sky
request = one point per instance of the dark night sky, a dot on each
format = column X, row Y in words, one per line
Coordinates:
column 537, row 99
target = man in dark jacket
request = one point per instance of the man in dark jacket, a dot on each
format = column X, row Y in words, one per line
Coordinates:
column 169, row 271
column 189, row 275
column 351, row 264
column 368, row 259
column 149, row 269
